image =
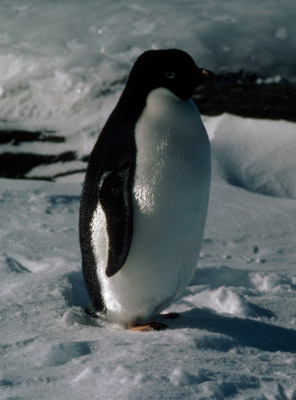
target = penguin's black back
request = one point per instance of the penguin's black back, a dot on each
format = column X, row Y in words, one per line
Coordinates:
column 115, row 150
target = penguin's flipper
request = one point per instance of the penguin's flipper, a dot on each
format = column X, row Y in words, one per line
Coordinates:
column 116, row 201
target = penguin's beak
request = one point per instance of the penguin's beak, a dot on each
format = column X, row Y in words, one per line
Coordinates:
column 202, row 75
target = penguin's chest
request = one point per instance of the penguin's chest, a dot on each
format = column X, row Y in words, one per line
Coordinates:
column 170, row 196
column 173, row 158
column 160, row 169
column 172, row 176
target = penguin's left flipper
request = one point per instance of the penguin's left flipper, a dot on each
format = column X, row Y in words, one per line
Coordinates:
column 116, row 200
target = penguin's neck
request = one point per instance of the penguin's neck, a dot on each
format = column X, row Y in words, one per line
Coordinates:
column 170, row 128
column 164, row 112
column 161, row 101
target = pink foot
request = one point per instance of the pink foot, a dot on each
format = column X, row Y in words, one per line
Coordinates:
column 150, row 326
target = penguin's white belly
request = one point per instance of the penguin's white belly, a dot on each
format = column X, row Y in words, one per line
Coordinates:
column 170, row 200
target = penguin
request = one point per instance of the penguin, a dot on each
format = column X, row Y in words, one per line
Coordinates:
column 145, row 196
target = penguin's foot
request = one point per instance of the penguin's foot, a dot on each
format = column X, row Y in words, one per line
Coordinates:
column 171, row 315
column 149, row 326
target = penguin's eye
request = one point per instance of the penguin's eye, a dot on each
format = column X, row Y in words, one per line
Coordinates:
column 170, row 74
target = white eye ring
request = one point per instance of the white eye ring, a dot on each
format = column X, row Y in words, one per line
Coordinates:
column 170, row 74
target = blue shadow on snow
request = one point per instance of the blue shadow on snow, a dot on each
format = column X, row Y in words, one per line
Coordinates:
column 247, row 332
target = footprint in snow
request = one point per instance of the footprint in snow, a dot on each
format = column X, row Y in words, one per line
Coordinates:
column 63, row 353
column 15, row 266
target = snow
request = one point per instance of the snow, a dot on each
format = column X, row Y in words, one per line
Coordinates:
column 62, row 67
column 236, row 335
column 257, row 160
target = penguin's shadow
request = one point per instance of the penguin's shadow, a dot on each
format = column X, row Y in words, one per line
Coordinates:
column 246, row 332
column 75, row 293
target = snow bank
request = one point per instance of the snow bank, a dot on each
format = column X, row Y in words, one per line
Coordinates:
column 258, row 155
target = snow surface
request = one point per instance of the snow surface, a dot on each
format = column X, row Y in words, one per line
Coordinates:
column 62, row 68
column 236, row 336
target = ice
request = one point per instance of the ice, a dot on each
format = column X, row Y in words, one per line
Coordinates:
column 49, row 171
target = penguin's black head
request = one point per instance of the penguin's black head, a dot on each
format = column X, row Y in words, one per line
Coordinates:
column 172, row 69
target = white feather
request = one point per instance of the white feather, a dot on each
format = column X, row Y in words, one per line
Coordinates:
column 170, row 200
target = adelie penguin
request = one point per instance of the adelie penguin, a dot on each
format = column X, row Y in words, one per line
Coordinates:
column 145, row 196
